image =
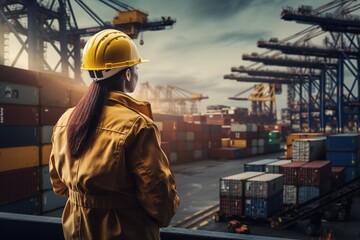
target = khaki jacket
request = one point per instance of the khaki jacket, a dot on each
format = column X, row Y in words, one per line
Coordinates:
column 122, row 187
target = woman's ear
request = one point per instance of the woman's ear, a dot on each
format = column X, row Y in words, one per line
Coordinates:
column 128, row 74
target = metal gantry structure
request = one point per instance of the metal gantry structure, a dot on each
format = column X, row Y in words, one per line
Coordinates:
column 37, row 23
column 323, row 80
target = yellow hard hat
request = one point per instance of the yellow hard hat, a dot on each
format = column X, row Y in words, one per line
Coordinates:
column 110, row 49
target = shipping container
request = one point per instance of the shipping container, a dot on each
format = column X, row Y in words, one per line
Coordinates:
column 14, row 158
column 13, row 114
column 291, row 172
column 18, row 184
column 338, row 177
column 14, row 136
column 50, row 115
column 234, row 185
column 46, row 134
column 45, row 179
column 238, row 127
column 352, row 173
column 227, row 153
column 309, row 149
column 54, row 90
column 274, row 167
column 315, row 173
column 344, row 159
column 343, row 142
column 307, row 193
column 45, row 154
column 293, row 136
column 12, row 93
column 258, row 166
column 231, row 205
column 29, row 206
column 264, row 186
column 263, row 208
column 290, row 196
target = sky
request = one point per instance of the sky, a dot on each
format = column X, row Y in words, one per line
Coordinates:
column 208, row 38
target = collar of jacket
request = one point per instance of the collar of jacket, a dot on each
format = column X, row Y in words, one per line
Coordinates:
column 125, row 100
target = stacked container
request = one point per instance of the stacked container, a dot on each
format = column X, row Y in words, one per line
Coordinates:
column 314, row 180
column 309, row 149
column 271, row 141
column 343, row 151
column 274, row 167
column 258, row 166
column 294, row 136
column 290, row 172
column 232, row 190
column 263, row 195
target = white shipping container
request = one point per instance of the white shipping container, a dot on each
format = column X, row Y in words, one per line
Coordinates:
column 238, row 127
column 274, row 167
column 290, row 194
column 19, row 94
column 261, row 142
column 233, row 185
column 254, row 151
column 254, row 143
column 264, row 186
column 46, row 133
column 51, row 201
column 190, row 136
column 309, row 149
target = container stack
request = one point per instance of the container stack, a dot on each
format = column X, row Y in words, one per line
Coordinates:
column 290, row 172
column 314, row 180
column 263, row 195
column 343, row 151
column 30, row 104
column 271, row 141
column 245, row 136
column 232, row 189
column 309, row 149
column 274, row 167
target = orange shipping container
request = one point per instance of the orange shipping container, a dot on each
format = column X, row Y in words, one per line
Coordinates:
column 15, row 158
column 45, row 154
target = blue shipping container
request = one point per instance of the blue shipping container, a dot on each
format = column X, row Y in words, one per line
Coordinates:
column 263, row 208
column 343, row 142
column 258, row 166
column 343, row 159
column 13, row 136
column 351, row 173
column 307, row 193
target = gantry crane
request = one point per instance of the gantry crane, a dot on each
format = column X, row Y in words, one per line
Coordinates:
column 35, row 24
column 170, row 99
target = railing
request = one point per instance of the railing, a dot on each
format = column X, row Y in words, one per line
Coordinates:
column 20, row 226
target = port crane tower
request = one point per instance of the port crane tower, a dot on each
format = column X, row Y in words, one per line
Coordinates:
column 38, row 25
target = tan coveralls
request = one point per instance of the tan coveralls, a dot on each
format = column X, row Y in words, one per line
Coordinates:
column 122, row 187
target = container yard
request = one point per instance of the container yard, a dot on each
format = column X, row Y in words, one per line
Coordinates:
column 277, row 158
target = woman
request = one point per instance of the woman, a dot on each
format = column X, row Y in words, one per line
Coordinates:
column 106, row 155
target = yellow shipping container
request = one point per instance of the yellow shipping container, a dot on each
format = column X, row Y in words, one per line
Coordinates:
column 45, row 154
column 238, row 143
column 132, row 16
column 225, row 142
column 14, row 158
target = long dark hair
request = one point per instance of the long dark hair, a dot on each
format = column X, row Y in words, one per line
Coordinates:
column 85, row 117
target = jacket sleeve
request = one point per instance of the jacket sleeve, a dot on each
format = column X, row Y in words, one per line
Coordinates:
column 58, row 186
column 156, row 189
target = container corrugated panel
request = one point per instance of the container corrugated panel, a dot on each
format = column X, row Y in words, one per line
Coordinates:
column 51, row 201
column 13, row 114
column 45, row 154
column 18, row 94
column 274, row 167
column 50, row 115
column 46, row 134
column 344, row 159
column 264, row 186
column 309, row 149
column 338, row 177
column 15, row 158
column 19, row 184
column 231, row 205
column 45, row 178
column 307, row 193
column 28, row 206
column 352, row 173
column 54, row 90
column 234, row 185
column 13, row 136
column 315, row 173
column 290, row 195
column 291, row 172
column 291, row 137
column 258, row 166
column 263, row 208
column 343, row 142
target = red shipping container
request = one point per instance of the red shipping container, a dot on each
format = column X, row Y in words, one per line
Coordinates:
column 180, row 146
column 338, row 177
column 12, row 114
column 19, row 184
column 168, row 136
column 50, row 115
column 165, row 146
column 291, row 172
column 231, row 205
column 315, row 173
